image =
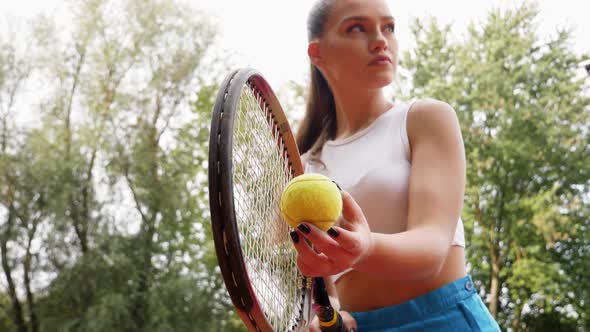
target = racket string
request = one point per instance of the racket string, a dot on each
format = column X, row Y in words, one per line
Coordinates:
column 260, row 174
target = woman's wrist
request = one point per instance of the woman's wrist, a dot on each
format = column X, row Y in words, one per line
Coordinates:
column 369, row 251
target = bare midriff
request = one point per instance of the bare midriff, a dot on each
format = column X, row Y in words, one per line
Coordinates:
column 358, row 291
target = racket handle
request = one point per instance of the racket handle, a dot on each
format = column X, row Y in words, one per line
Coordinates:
column 330, row 320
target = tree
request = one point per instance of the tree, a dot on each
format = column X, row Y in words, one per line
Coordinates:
column 102, row 201
column 17, row 226
column 525, row 117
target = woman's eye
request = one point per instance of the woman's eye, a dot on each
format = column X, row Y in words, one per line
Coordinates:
column 356, row 28
column 390, row 28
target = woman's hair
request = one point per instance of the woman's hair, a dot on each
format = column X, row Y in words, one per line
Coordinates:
column 319, row 121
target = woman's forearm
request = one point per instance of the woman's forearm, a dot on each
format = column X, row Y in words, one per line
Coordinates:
column 415, row 254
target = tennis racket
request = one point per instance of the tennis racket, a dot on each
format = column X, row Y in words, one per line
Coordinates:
column 252, row 157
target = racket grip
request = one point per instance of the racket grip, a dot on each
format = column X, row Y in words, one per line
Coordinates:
column 330, row 320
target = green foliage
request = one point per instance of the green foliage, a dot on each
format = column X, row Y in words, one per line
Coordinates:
column 102, row 201
column 6, row 321
column 524, row 111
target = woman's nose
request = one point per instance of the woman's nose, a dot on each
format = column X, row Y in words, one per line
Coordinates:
column 379, row 43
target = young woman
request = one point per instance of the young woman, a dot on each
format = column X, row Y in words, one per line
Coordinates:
column 396, row 260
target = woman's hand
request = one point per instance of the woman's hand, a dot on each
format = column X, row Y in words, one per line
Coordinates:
column 338, row 249
column 347, row 319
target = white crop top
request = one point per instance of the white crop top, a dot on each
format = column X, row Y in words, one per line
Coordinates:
column 373, row 165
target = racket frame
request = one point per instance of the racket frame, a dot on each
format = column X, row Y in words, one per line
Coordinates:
column 224, row 224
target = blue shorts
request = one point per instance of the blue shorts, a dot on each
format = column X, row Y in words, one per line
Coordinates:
column 454, row 307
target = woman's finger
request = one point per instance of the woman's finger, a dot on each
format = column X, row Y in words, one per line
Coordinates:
column 315, row 325
column 351, row 211
column 345, row 239
column 310, row 262
column 305, row 250
column 348, row 321
column 324, row 243
column 306, row 269
column 315, row 235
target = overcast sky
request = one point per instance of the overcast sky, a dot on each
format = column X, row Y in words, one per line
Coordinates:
column 270, row 35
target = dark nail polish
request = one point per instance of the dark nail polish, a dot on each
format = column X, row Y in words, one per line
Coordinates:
column 294, row 237
column 332, row 232
column 337, row 185
column 304, row 228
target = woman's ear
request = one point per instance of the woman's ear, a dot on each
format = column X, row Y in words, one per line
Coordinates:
column 313, row 51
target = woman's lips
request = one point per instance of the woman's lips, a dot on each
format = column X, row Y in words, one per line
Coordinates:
column 380, row 61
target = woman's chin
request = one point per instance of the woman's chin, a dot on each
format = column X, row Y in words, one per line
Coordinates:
column 371, row 81
column 380, row 81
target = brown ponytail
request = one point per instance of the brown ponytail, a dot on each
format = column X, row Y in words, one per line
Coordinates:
column 319, row 121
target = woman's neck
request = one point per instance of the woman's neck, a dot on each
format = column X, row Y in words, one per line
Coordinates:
column 356, row 109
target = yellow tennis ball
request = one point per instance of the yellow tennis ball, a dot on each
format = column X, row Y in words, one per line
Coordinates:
column 312, row 198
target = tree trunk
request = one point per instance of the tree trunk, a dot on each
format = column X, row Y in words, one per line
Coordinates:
column 79, row 221
column 516, row 319
column 495, row 265
column 27, row 279
column 140, row 306
column 494, row 284
column 17, row 310
column 495, row 254
column 4, row 142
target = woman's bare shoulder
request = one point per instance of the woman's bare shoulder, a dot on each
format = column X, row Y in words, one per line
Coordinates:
column 434, row 119
column 430, row 105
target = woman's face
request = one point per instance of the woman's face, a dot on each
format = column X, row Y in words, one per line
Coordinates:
column 358, row 47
